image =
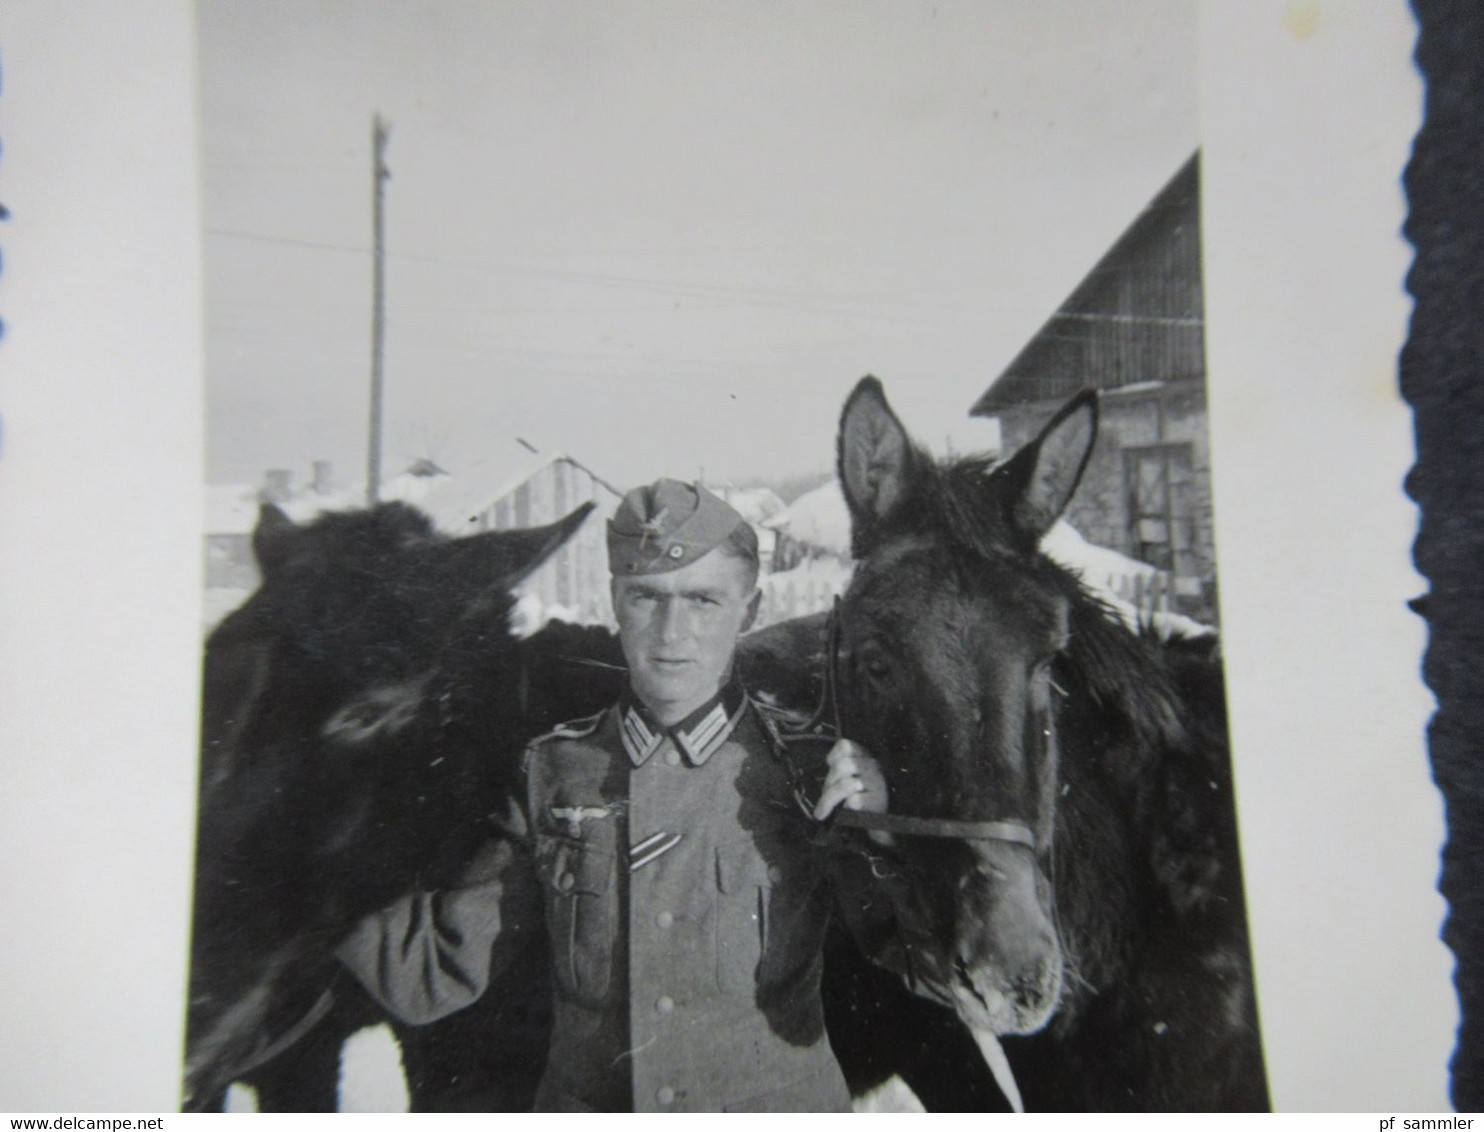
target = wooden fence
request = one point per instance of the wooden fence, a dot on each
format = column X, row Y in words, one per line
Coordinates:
column 808, row 588
column 1147, row 593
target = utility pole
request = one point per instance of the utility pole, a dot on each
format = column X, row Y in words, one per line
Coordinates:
column 380, row 174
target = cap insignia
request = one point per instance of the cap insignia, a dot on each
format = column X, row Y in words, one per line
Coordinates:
column 655, row 525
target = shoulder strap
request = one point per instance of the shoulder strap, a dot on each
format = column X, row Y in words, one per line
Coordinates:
column 572, row 729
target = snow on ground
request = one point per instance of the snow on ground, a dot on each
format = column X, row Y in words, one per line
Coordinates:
column 372, row 1080
column 371, row 1074
column 1165, row 625
column 1104, row 570
column 893, row 1095
column 1110, row 574
column 241, row 1098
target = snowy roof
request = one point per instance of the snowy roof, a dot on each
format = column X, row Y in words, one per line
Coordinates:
column 450, row 500
column 760, row 506
column 232, row 509
column 820, row 519
column 1137, row 315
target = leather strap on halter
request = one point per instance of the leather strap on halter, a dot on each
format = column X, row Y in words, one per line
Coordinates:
column 1016, row 832
column 1012, row 831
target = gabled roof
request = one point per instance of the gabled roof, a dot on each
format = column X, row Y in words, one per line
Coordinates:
column 452, row 500
column 449, row 500
column 1136, row 317
column 820, row 519
column 760, row 506
column 232, row 509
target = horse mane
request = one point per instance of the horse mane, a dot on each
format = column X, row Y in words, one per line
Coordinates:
column 394, row 522
column 1122, row 671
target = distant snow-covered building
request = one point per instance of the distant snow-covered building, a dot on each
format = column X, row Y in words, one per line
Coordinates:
column 520, row 487
column 820, row 521
column 764, row 511
column 819, row 524
column 232, row 513
column 514, row 487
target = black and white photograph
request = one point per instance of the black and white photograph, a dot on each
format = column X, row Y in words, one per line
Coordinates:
column 632, row 261
column 761, row 558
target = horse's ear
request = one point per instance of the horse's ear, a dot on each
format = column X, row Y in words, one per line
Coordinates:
column 272, row 537
column 1041, row 478
column 875, row 460
column 522, row 552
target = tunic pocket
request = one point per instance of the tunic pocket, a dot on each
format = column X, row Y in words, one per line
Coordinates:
column 768, row 915
column 579, row 914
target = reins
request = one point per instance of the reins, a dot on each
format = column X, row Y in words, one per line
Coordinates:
column 1016, row 832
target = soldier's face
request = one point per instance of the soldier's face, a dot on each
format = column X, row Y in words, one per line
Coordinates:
column 679, row 631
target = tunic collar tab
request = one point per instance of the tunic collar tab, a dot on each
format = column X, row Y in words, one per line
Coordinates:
column 697, row 736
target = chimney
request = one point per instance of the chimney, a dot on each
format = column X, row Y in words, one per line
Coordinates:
column 324, row 477
column 277, row 485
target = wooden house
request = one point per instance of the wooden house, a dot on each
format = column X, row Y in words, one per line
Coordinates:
column 521, row 487
column 1133, row 329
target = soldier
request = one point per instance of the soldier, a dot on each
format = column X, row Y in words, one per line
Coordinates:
column 684, row 889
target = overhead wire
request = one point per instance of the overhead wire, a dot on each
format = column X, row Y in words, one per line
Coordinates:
column 722, row 294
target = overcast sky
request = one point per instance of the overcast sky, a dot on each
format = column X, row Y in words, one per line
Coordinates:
column 658, row 236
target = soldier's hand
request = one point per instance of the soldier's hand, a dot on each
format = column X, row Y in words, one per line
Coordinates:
column 854, row 779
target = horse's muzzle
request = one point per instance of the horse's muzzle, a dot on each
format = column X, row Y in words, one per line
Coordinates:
column 1007, row 964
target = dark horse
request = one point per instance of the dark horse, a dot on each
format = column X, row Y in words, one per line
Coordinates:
column 1104, row 935
column 365, row 703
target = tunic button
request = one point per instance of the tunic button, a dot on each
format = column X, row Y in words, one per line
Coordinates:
column 566, row 881
column 664, row 919
column 666, row 1095
column 672, row 757
column 665, row 1004
column 775, row 874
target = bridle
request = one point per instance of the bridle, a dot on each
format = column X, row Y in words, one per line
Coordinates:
column 1015, row 832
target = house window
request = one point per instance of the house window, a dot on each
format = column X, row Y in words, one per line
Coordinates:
column 1159, row 481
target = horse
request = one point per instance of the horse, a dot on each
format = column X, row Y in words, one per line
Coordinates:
column 366, row 700
column 1065, row 832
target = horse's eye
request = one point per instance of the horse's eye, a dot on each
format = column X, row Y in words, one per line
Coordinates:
column 876, row 667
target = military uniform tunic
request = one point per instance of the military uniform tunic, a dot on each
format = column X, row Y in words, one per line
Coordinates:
column 686, row 898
